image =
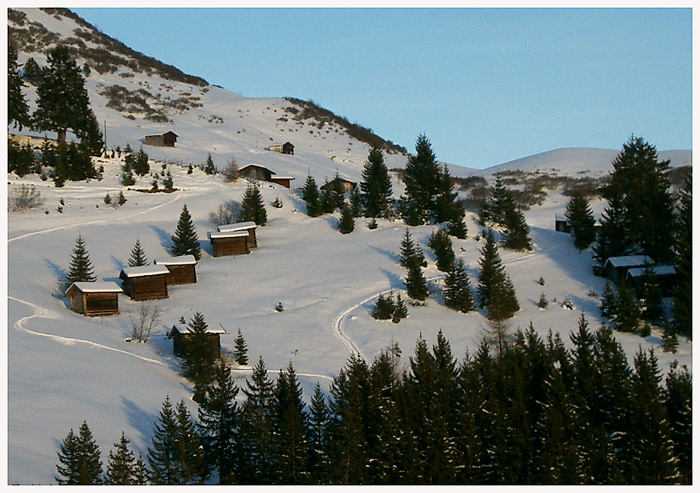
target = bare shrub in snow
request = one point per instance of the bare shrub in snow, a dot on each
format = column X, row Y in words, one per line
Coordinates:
column 146, row 317
column 24, row 197
column 230, row 171
column 228, row 213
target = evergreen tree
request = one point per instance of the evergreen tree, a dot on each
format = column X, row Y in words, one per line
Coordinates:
column 504, row 303
column 442, row 247
column 677, row 398
column 138, row 256
column 628, row 315
column 421, row 177
column 79, row 458
column 651, row 296
column 168, row 181
column 683, row 292
column 127, row 178
column 446, row 206
column 400, row 310
column 376, row 185
column 493, row 283
column 543, row 303
column 240, row 349
column 608, row 302
column 192, row 468
column 289, row 424
column 209, row 167
column 499, row 200
column 32, row 72
column 356, row 202
column 199, row 360
column 384, row 308
column 457, row 228
column 253, row 208
column 62, row 99
column 141, row 166
column 319, row 415
column 17, row 109
column 20, row 159
column 416, row 285
column 218, row 412
column 346, row 223
column 80, row 268
column 122, row 467
column 517, row 232
column 580, row 215
column 185, row 240
column 311, row 197
column 457, row 292
column 163, row 454
column 410, row 253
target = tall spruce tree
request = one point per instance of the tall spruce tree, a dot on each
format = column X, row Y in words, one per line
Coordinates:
column 123, row 468
column 240, row 349
column 80, row 268
column 580, row 215
column 421, row 177
column 410, row 253
column 516, row 230
column 442, row 247
column 163, row 453
column 17, row 109
column 346, row 223
column 290, row 428
column 62, row 99
column 209, row 167
column 185, row 240
column 192, row 467
column 457, row 291
column 253, row 208
column 217, row 425
column 495, row 288
column 199, row 360
column 138, row 256
column 683, row 292
column 318, row 463
column 677, row 397
column 312, row 198
column 79, row 458
column 376, row 185
column 446, row 206
column 416, row 285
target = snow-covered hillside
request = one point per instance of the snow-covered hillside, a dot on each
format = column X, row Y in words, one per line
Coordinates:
column 65, row 368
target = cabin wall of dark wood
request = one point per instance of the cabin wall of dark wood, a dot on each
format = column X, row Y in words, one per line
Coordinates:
column 99, row 304
column 148, row 287
column 230, row 246
column 181, row 274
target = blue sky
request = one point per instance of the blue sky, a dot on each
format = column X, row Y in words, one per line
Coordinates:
column 485, row 85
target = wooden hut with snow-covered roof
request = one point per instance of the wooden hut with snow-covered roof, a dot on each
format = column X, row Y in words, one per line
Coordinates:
column 181, row 269
column 94, row 299
column 167, row 139
column 665, row 275
column 248, row 226
column 256, row 172
column 146, row 282
column 229, row 242
column 182, row 335
column 286, row 148
column 615, row 268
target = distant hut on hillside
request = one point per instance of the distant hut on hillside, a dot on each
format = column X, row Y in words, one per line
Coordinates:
column 346, row 185
column 562, row 223
column 229, row 242
column 615, row 268
column 147, row 282
column 256, row 172
column 182, row 269
column 182, row 335
column 94, row 299
column 248, row 226
column 285, row 181
column 286, row 148
column 167, row 139
column 665, row 275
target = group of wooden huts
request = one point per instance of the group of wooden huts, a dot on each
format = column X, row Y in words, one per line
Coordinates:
column 632, row 270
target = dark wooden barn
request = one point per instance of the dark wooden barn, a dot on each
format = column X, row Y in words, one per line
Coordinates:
column 248, row 226
column 147, row 282
column 665, row 275
column 167, row 139
column 286, row 148
column 94, row 299
column 181, row 336
column 615, row 268
column 229, row 243
column 561, row 223
column 181, row 269
column 285, row 181
column 256, row 172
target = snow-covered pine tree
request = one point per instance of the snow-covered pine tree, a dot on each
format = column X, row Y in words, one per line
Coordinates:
column 457, row 291
column 253, row 208
column 311, row 196
column 543, row 303
column 218, row 416
column 122, row 467
column 240, row 349
column 346, row 223
column 138, row 256
column 80, row 268
column 185, row 241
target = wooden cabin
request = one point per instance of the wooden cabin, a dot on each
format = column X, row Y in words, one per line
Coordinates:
column 562, row 223
column 181, row 269
column 229, row 242
column 256, row 172
column 285, row 181
column 167, row 139
column 248, row 226
column 286, row 148
column 665, row 275
column 346, row 185
column 94, row 299
column 181, row 336
column 146, row 282
column 615, row 268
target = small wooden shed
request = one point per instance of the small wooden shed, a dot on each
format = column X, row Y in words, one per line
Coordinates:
column 229, row 242
column 94, row 299
column 665, row 275
column 285, row 181
column 146, row 282
column 181, row 336
column 167, row 139
column 562, row 223
column 256, row 172
column 286, row 148
column 248, row 226
column 346, row 185
column 181, row 269
column 615, row 268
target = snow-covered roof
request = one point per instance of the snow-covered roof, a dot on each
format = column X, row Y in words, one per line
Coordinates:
column 225, row 228
column 659, row 270
column 227, row 234
column 253, row 165
column 96, row 287
column 628, row 261
column 181, row 260
column 187, row 330
column 278, row 177
column 145, row 270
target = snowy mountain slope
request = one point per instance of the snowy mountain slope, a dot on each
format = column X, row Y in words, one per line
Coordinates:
column 65, row 368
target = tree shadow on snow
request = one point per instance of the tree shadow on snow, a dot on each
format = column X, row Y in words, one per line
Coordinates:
column 117, row 263
column 140, row 419
column 393, row 256
column 165, row 238
column 60, row 275
column 395, row 282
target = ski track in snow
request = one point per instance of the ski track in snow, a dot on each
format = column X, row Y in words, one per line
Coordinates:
column 310, row 375
column 40, row 312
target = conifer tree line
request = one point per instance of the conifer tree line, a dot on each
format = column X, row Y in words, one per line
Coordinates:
column 531, row 412
column 500, row 211
column 62, row 105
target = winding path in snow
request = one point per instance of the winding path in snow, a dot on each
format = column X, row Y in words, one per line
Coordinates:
column 40, row 312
